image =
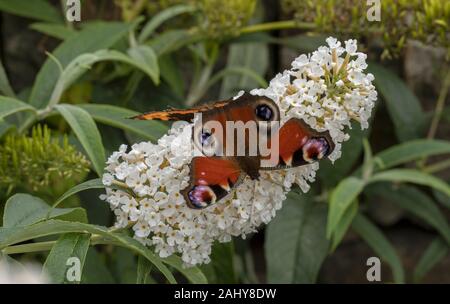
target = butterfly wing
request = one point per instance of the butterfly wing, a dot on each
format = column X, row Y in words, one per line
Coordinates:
column 212, row 179
column 298, row 145
column 180, row 114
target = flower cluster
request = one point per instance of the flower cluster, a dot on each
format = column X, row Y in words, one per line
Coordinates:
column 326, row 89
column 40, row 162
column 228, row 20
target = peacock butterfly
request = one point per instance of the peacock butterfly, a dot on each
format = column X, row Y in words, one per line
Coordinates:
column 226, row 158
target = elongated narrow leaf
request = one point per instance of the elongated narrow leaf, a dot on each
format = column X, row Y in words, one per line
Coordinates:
column 59, row 31
column 171, row 74
column 343, row 224
column 412, row 176
column 10, row 106
column 95, row 269
column 87, row 133
column 403, row 106
column 161, row 17
column 221, row 268
column 340, row 200
column 144, row 268
column 5, row 127
column 193, row 274
column 36, row 9
column 436, row 251
column 296, row 245
column 410, row 151
column 120, row 118
column 145, row 58
column 5, row 86
column 90, row 184
column 141, row 58
column 94, row 37
column 251, row 56
column 14, row 235
column 24, row 209
column 172, row 40
column 65, row 261
column 441, row 197
column 416, row 202
column 378, row 242
column 332, row 173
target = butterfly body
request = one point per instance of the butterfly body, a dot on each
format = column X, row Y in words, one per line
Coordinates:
column 227, row 158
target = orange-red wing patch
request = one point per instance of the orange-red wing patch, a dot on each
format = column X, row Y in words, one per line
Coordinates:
column 214, row 171
column 212, row 179
column 299, row 145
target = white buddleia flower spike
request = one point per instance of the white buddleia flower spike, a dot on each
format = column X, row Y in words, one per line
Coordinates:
column 327, row 89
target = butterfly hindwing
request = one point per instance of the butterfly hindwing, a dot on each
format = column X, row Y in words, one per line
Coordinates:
column 212, row 179
column 298, row 145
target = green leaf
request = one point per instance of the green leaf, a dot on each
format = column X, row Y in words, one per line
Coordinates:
column 248, row 56
column 24, row 209
column 332, row 173
column 4, row 127
column 141, row 58
column 193, row 274
column 97, row 36
column 341, row 198
column 172, row 40
column 58, row 31
column 436, row 251
column 380, row 244
column 144, row 269
column 5, row 86
column 442, row 198
column 171, row 73
column 120, row 118
column 161, row 17
column 90, row 184
column 410, row 151
column 58, row 263
column 416, row 202
column 87, row 133
column 145, row 58
column 14, row 235
column 344, row 224
column 403, row 106
column 296, row 245
column 412, row 176
column 36, row 9
column 10, row 106
column 95, row 270
column 221, row 267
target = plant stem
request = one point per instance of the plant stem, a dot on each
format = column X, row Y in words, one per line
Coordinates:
column 47, row 246
column 32, row 247
column 277, row 25
column 439, row 107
